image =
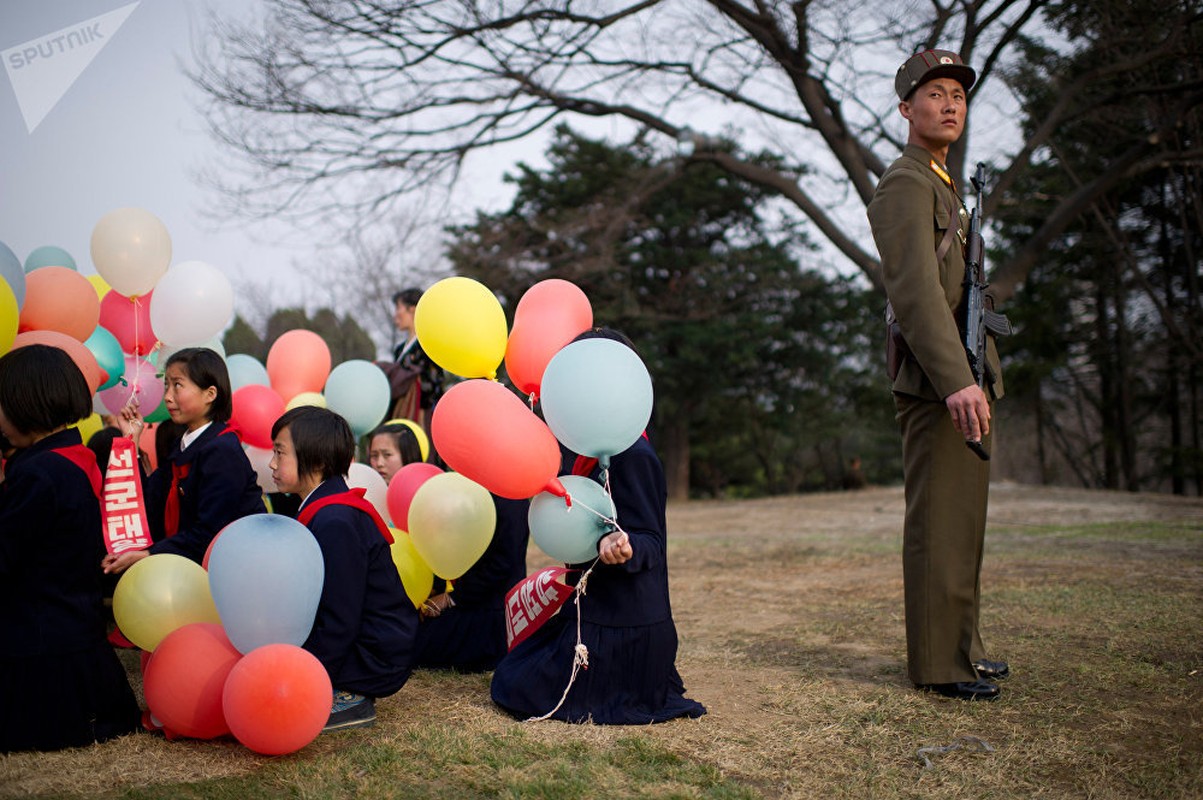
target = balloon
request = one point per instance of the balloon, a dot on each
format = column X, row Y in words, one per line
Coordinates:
column 482, row 430
column 131, row 250
column 277, row 699
column 298, row 361
column 260, row 458
column 82, row 356
column 358, row 391
column 160, row 593
column 315, row 399
column 160, row 414
column 361, row 476
column 184, row 680
column 140, row 384
column 597, row 397
column 10, row 315
column 60, row 299
column 164, row 353
column 193, row 302
column 129, row 320
column 146, row 443
column 550, row 315
column 256, row 409
column 12, row 273
column 569, row 533
column 419, row 434
column 266, row 571
column 403, row 486
column 109, row 357
column 245, row 370
column 49, row 256
column 416, row 575
column 89, row 427
column 100, row 285
column 451, row 522
column 461, row 327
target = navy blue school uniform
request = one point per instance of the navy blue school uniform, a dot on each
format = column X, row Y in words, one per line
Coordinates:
column 63, row 685
column 626, row 623
column 470, row 636
column 220, row 486
column 365, row 626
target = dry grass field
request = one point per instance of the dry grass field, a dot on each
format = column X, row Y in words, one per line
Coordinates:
column 790, row 616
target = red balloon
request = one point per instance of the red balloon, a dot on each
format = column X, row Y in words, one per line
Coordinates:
column 485, row 433
column 402, row 487
column 299, row 361
column 82, row 356
column 277, row 699
column 59, row 299
column 128, row 319
column 550, row 315
column 256, row 409
column 186, row 677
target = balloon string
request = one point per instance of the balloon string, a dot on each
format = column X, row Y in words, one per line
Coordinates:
column 580, row 653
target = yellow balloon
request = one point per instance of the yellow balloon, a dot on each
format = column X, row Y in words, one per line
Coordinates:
column 419, row 434
column 88, row 426
column 451, row 522
column 100, row 285
column 9, row 317
column 159, row 594
column 416, row 575
column 461, row 326
column 306, row 399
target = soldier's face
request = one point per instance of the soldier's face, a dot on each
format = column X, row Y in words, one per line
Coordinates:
column 936, row 112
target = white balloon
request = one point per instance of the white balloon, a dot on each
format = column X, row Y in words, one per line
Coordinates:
column 260, row 458
column 131, row 250
column 191, row 304
column 364, row 477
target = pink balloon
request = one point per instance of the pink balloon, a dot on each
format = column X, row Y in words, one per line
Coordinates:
column 129, row 321
column 256, row 409
column 277, row 699
column 298, row 361
column 485, row 433
column 550, row 315
column 140, row 382
column 82, row 356
column 59, row 299
column 403, row 486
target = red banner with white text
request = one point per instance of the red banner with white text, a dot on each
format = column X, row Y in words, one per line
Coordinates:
column 533, row 601
column 122, row 503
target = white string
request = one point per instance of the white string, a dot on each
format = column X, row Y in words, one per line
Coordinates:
column 580, row 653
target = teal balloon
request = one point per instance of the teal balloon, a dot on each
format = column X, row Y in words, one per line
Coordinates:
column 49, row 256
column 246, row 370
column 569, row 533
column 107, row 350
column 160, row 414
column 266, row 573
column 13, row 275
column 358, row 391
column 596, row 397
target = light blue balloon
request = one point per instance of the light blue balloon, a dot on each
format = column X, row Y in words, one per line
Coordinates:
column 246, row 370
column 107, row 350
column 49, row 256
column 357, row 391
column 11, row 272
column 569, row 533
column 265, row 574
column 596, row 397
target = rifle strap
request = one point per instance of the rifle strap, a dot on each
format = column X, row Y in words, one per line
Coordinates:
column 954, row 224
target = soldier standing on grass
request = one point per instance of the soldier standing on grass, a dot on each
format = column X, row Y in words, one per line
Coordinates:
column 919, row 223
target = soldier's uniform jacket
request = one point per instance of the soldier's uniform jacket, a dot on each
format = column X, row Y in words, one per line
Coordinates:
column 912, row 208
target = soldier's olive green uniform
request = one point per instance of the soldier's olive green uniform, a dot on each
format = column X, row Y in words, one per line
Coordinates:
column 946, row 484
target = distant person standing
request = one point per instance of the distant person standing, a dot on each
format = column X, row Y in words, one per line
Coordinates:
column 415, row 381
column 920, row 224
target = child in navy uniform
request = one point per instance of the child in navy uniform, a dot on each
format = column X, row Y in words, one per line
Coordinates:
column 64, row 686
column 365, row 626
column 207, row 481
column 625, row 618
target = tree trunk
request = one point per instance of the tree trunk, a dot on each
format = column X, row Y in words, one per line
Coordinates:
column 674, row 434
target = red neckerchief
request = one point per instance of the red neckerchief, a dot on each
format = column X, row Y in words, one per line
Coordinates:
column 584, row 465
column 85, row 459
column 352, row 498
column 171, row 511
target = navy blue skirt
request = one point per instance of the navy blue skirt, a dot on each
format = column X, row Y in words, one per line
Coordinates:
column 632, row 678
column 463, row 639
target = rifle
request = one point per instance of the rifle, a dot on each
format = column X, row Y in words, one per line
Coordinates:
column 979, row 320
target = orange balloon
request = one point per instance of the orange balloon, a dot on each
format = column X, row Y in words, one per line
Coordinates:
column 277, row 699
column 256, row 409
column 81, row 355
column 299, row 361
column 146, row 443
column 550, row 315
column 185, row 678
column 60, row 299
column 484, row 432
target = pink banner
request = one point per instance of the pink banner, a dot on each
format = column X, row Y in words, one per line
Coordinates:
column 124, row 509
column 533, row 601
